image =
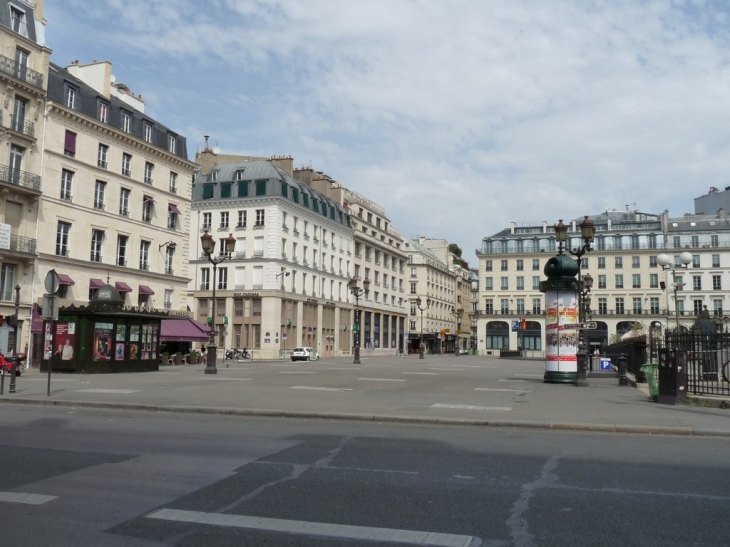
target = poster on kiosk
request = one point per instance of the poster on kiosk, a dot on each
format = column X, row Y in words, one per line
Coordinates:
column 560, row 332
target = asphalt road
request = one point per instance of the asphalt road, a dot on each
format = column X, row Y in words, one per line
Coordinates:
column 121, row 478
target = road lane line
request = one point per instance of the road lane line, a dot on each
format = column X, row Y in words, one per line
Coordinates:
column 314, row 388
column 28, row 499
column 423, row 373
column 473, row 407
column 318, row 529
column 381, row 380
column 449, row 369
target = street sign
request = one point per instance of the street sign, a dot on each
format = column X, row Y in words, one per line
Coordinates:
column 516, row 324
column 591, row 325
column 51, row 282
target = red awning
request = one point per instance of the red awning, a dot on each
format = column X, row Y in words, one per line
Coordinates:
column 95, row 283
column 184, row 330
column 64, row 279
column 148, row 198
column 144, row 289
column 121, row 286
column 173, row 208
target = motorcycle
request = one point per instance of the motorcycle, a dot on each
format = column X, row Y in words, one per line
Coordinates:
column 237, row 354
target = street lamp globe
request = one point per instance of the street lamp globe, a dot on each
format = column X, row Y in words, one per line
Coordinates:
column 208, row 243
column 685, row 258
column 663, row 260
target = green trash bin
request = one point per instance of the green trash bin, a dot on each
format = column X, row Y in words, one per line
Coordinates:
column 651, row 371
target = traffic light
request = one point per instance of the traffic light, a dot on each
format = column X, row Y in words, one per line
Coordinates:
column 523, row 325
column 12, row 321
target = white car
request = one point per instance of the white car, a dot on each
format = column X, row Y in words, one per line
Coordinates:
column 302, row 354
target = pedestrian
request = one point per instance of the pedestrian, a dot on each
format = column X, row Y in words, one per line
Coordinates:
column 203, row 355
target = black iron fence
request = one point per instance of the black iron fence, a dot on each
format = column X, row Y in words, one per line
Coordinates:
column 708, row 360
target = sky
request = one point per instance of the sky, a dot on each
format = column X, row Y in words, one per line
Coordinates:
column 457, row 117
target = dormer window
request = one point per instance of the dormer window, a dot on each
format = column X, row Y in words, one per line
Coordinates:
column 147, row 132
column 126, row 122
column 171, row 144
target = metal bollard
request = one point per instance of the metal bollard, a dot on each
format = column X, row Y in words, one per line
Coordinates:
column 622, row 378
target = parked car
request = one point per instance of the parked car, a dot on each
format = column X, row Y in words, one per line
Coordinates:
column 301, row 354
column 6, row 364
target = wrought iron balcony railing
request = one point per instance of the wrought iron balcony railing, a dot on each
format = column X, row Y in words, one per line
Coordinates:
column 21, row 125
column 20, row 71
column 20, row 178
column 22, row 244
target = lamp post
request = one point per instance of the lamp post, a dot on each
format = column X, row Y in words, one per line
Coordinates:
column 428, row 305
column 357, row 292
column 208, row 243
column 284, row 273
column 457, row 313
column 665, row 263
column 587, row 233
column 16, row 358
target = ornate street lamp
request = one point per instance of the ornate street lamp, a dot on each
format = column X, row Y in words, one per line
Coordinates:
column 428, row 305
column 357, row 292
column 665, row 263
column 457, row 313
column 208, row 243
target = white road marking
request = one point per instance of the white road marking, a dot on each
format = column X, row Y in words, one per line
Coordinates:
column 449, row 369
column 500, row 389
column 29, row 499
column 318, row 529
column 513, row 380
column 462, row 477
column 297, row 372
column 313, row 388
column 225, row 379
column 423, row 373
column 381, row 379
column 467, row 366
column 473, row 407
column 291, row 365
column 98, row 390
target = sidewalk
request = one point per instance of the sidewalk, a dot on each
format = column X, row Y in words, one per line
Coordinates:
column 468, row 390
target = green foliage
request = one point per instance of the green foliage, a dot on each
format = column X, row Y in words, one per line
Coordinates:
column 455, row 250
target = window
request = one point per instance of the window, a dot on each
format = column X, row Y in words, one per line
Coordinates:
column 69, row 144
column 603, row 306
column 284, row 190
column 535, row 263
column 127, row 165
column 99, row 191
column 635, row 242
column 7, row 281
column 170, row 260
column 241, row 219
column 18, row 21
column 126, row 122
column 147, row 132
column 144, row 254
column 536, row 303
column 716, row 283
column 147, row 203
column 636, row 281
column 172, row 144
column 97, row 239
column 617, row 242
column 651, row 239
column 149, row 171
column 695, row 261
column 697, row 305
column 413, row 308
column 520, row 283
column 173, row 182
column 207, row 221
column 717, row 307
column 488, row 284
column 205, row 279
column 654, row 304
column 504, row 306
column 635, row 262
column 70, row 97
column 520, row 265
column 414, row 288
column 504, row 265
column 676, row 242
column 653, row 281
column 695, row 241
column 224, row 220
column 172, row 214
column 696, row 282
column 208, row 191
column 714, row 241
column 601, row 263
column 504, row 283
column 260, row 187
column 584, row 263
column 259, row 217
column 242, row 188
column 67, row 178
column 715, row 261
column 62, row 233
column 535, row 282
column 636, row 305
column 102, row 156
column 620, row 306
column 618, row 262
column 619, row 281
column 601, row 281
column 488, row 265
column 520, row 306
column 213, row 176
column 124, row 202
column 122, row 242
column 102, row 111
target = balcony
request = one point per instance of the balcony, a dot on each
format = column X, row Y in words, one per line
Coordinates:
column 102, row 164
column 95, row 256
column 21, row 72
column 258, row 254
column 240, row 255
column 124, row 212
column 20, row 125
column 20, row 178
column 126, row 172
column 148, row 180
column 169, row 270
column 205, row 286
column 22, row 244
column 99, row 205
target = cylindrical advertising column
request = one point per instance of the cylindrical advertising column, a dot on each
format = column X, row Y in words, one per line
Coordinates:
column 561, row 320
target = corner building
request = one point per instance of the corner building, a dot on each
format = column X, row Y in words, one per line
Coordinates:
column 285, row 285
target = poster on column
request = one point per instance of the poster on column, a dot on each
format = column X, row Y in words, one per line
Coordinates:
column 561, row 338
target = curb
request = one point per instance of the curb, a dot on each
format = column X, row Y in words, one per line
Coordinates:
column 392, row 418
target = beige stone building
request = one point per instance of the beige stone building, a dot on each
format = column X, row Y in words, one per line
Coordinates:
column 23, row 69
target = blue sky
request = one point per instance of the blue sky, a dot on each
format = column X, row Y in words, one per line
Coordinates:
column 457, row 117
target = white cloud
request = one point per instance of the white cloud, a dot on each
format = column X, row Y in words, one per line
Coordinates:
column 457, row 117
